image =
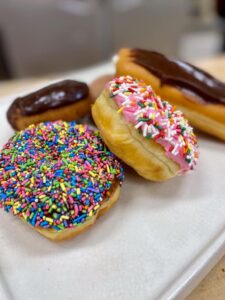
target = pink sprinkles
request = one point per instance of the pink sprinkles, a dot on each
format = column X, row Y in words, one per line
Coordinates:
column 155, row 119
column 56, row 175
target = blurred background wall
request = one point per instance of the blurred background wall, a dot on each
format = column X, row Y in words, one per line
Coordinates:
column 45, row 36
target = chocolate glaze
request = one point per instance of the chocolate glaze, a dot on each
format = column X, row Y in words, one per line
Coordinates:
column 52, row 96
column 182, row 75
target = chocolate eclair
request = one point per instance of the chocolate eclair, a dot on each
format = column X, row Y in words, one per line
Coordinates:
column 198, row 94
column 66, row 100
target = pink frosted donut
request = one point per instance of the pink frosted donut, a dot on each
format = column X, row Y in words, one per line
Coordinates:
column 169, row 146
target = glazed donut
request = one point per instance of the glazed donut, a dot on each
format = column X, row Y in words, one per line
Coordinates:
column 67, row 100
column 98, row 84
column 199, row 95
column 58, row 177
column 144, row 131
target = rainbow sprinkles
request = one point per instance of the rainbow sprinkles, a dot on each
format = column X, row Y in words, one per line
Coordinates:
column 155, row 119
column 56, row 174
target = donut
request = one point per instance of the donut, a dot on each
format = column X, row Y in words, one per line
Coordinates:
column 142, row 130
column 196, row 93
column 98, row 84
column 58, row 177
column 67, row 100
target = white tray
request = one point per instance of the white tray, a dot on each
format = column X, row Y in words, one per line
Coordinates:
column 156, row 243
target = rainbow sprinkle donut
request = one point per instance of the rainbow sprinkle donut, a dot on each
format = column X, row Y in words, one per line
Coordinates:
column 58, row 177
column 146, row 132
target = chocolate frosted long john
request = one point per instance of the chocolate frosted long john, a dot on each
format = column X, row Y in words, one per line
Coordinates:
column 53, row 96
column 181, row 75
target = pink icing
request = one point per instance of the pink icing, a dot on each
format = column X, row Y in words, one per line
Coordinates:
column 155, row 119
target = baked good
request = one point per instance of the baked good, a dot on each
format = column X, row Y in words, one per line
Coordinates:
column 197, row 94
column 58, row 177
column 98, row 84
column 67, row 100
column 144, row 131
